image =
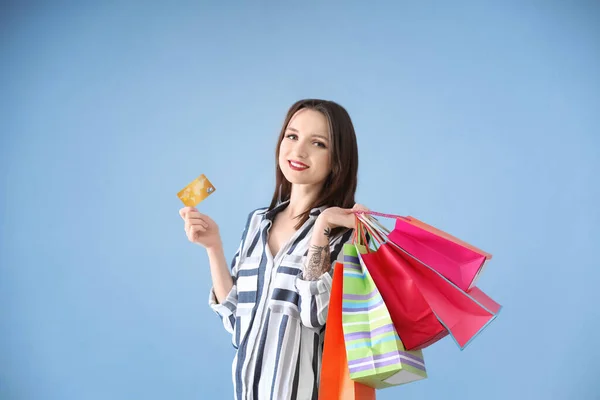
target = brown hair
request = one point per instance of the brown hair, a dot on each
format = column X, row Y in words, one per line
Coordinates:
column 340, row 186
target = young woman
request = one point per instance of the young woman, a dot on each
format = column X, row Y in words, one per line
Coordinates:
column 274, row 300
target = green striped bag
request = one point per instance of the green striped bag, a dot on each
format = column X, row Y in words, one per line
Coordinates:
column 376, row 356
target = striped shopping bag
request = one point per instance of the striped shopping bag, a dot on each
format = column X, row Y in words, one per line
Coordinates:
column 376, row 355
column 335, row 382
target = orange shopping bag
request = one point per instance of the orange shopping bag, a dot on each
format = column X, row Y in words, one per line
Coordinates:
column 335, row 382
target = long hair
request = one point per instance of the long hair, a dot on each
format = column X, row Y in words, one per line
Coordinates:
column 340, row 186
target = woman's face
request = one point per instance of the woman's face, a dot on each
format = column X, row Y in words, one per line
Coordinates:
column 304, row 155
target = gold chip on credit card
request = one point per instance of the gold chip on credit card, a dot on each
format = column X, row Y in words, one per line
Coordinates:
column 198, row 190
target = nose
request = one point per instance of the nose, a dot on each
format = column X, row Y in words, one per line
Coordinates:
column 300, row 150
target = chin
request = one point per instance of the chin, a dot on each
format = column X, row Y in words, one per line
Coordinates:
column 294, row 180
column 304, row 181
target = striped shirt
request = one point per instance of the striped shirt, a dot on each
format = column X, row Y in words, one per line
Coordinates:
column 275, row 317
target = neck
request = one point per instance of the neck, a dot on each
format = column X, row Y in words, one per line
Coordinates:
column 301, row 199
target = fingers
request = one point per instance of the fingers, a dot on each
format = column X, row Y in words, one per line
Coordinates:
column 185, row 211
column 195, row 215
column 194, row 223
column 202, row 225
column 359, row 207
column 192, row 214
column 194, row 229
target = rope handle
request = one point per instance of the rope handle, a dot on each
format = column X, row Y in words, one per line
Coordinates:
column 376, row 234
column 377, row 231
column 392, row 216
column 362, row 228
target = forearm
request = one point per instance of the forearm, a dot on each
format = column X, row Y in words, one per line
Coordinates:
column 319, row 256
column 219, row 271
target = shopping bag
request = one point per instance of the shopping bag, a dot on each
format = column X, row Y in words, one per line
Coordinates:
column 335, row 382
column 462, row 315
column 414, row 320
column 376, row 355
column 460, row 262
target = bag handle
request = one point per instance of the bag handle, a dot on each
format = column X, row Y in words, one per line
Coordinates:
column 360, row 231
column 359, row 237
column 375, row 228
column 392, row 216
column 368, row 217
column 378, row 224
column 378, row 235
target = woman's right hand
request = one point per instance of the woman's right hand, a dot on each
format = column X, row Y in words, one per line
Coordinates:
column 200, row 228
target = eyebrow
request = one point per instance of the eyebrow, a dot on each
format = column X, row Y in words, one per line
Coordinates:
column 315, row 135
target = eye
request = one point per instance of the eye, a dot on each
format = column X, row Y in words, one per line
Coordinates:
column 292, row 136
column 320, row 144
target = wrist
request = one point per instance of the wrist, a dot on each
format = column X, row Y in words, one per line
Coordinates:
column 323, row 222
column 215, row 248
column 322, row 231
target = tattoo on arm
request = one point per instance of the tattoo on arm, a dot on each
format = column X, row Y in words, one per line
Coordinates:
column 319, row 261
column 327, row 232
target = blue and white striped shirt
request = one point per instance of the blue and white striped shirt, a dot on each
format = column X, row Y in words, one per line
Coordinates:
column 276, row 318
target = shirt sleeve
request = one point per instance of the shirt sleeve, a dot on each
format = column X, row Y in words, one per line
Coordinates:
column 314, row 295
column 227, row 310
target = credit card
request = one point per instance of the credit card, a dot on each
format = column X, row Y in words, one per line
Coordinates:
column 198, row 190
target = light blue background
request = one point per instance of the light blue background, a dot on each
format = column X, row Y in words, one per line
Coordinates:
column 481, row 120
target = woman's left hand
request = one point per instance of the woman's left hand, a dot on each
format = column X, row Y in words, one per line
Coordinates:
column 335, row 217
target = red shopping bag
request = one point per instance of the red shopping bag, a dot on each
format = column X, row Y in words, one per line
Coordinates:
column 413, row 317
column 401, row 276
column 460, row 312
column 335, row 382
column 455, row 259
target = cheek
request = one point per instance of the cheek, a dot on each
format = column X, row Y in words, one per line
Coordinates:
column 283, row 148
column 282, row 153
column 325, row 161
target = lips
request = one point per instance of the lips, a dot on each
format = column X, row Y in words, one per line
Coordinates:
column 297, row 165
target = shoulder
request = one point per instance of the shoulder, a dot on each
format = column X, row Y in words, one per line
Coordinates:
column 257, row 214
column 253, row 220
column 255, row 217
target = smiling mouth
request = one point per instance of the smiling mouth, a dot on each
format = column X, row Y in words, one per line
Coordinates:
column 297, row 166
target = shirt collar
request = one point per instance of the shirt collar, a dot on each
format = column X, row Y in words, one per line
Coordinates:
column 270, row 214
